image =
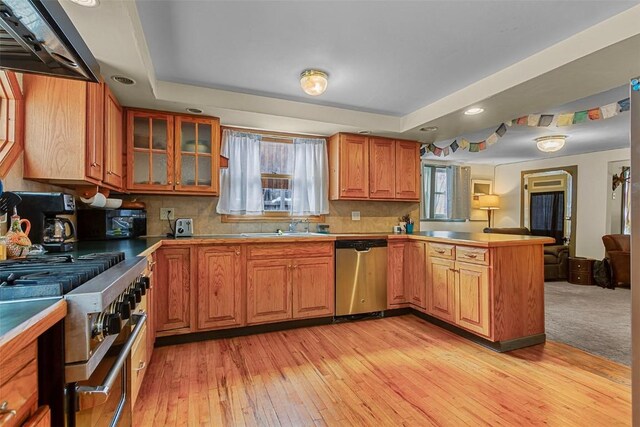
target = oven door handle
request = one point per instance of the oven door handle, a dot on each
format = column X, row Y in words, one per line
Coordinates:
column 90, row 396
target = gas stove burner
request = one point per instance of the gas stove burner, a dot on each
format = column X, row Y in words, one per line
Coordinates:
column 50, row 276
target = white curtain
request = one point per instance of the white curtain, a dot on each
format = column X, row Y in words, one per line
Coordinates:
column 310, row 186
column 458, row 192
column 240, row 183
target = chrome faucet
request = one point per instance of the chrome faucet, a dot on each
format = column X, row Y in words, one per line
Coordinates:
column 293, row 224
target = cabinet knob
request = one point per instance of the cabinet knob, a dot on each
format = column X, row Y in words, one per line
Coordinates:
column 94, row 164
column 170, row 182
column 109, row 172
column 295, row 266
column 5, row 412
column 237, row 252
column 177, row 182
column 141, row 366
column 289, row 266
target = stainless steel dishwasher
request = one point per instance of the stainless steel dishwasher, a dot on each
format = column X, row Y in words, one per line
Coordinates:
column 361, row 276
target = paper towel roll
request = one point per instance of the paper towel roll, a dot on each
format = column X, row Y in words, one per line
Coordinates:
column 113, row 203
column 97, row 201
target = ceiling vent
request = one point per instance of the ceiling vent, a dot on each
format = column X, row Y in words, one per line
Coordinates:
column 194, row 110
column 123, row 80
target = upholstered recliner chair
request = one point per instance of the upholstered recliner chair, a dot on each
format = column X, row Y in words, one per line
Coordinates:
column 556, row 257
column 618, row 252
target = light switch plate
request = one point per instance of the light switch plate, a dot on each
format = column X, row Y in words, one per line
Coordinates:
column 167, row 213
column 355, row 216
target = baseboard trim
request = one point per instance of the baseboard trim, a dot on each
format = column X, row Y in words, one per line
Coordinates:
column 498, row 346
column 240, row 332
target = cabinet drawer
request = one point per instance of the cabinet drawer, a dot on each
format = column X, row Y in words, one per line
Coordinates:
column 288, row 250
column 472, row 255
column 138, row 363
column 20, row 393
column 441, row 250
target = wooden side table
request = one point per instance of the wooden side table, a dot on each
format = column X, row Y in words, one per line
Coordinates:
column 581, row 270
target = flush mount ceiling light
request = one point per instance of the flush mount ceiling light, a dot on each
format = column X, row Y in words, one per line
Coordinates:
column 123, row 80
column 86, row 3
column 429, row 129
column 313, row 82
column 551, row 143
column 194, row 110
column 473, row 111
column 364, row 132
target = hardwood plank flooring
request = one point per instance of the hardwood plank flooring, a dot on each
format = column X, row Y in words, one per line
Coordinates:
column 398, row 371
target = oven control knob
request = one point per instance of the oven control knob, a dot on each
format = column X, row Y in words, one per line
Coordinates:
column 137, row 294
column 124, row 309
column 111, row 325
column 139, row 287
column 131, row 297
column 146, row 282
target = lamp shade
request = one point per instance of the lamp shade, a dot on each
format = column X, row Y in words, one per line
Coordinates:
column 489, row 202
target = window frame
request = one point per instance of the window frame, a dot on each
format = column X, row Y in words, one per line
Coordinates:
column 12, row 120
column 271, row 216
column 429, row 205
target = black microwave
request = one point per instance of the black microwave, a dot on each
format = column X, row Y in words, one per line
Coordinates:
column 99, row 224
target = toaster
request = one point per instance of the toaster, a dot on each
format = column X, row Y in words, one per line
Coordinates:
column 184, row 227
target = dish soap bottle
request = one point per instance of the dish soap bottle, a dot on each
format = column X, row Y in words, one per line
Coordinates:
column 18, row 242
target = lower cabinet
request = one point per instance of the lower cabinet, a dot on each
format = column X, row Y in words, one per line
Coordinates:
column 441, row 288
column 415, row 274
column 139, row 362
column 396, row 291
column 219, row 283
column 173, row 290
column 313, row 287
column 472, row 297
column 268, row 290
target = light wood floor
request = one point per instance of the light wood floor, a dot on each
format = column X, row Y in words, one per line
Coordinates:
column 384, row 372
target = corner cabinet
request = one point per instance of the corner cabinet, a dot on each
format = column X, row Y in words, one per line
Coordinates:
column 73, row 133
column 172, row 154
column 373, row 168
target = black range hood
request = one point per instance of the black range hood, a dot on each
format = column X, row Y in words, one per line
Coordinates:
column 36, row 36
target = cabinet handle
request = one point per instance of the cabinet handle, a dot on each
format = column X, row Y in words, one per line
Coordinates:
column 440, row 251
column 152, row 264
column 141, row 366
column 454, row 270
column 109, row 172
column 295, row 266
column 94, row 164
column 5, row 412
column 289, row 266
column 471, row 256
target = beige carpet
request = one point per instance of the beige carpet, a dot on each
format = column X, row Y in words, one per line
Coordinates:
column 591, row 318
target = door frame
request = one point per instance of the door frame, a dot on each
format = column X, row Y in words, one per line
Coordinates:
column 571, row 170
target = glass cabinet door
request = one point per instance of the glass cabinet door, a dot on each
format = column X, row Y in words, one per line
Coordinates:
column 197, row 150
column 150, row 157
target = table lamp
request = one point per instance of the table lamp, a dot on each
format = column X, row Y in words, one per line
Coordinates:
column 489, row 203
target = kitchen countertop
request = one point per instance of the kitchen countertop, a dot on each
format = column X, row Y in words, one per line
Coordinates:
column 475, row 239
column 23, row 321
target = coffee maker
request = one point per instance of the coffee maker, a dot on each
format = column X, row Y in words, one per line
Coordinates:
column 55, row 234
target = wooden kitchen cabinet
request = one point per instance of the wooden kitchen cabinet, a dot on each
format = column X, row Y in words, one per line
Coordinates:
column 313, row 287
column 382, row 168
column 173, row 290
column 113, row 141
column 373, row 168
column 168, row 153
column 396, row 290
column 349, row 167
column 73, row 133
column 441, row 288
column 269, row 291
column 472, row 297
column 407, row 170
column 139, row 363
column 219, row 283
column 414, row 273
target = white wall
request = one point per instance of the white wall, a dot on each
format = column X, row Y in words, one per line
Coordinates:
column 614, row 199
column 477, row 172
column 594, row 188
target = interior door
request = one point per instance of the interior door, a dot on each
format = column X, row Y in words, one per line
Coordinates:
column 547, row 215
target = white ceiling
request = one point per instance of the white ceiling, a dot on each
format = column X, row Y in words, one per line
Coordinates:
column 388, row 57
column 518, row 143
column 204, row 54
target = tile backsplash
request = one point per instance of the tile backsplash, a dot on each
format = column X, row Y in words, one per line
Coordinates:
column 374, row 216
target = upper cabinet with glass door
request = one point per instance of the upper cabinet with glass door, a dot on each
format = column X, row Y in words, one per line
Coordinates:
column 169, row 153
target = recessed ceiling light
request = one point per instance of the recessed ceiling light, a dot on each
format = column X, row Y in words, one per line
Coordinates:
column 473, row 111
column 314, row 82
column 194, row 110
column 429, row 129
column 86, row 3
column 364, row 132
column 550, row 144
column 123, row 80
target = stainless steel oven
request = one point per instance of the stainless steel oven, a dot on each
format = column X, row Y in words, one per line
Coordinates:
column 104, row 399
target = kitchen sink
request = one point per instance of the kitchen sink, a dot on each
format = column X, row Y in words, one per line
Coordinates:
column 283, row 234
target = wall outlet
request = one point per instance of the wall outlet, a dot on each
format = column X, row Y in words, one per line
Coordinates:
column 355, row 216
column 167, row 213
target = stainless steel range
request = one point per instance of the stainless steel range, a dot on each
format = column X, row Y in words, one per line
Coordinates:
column 102, row 291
